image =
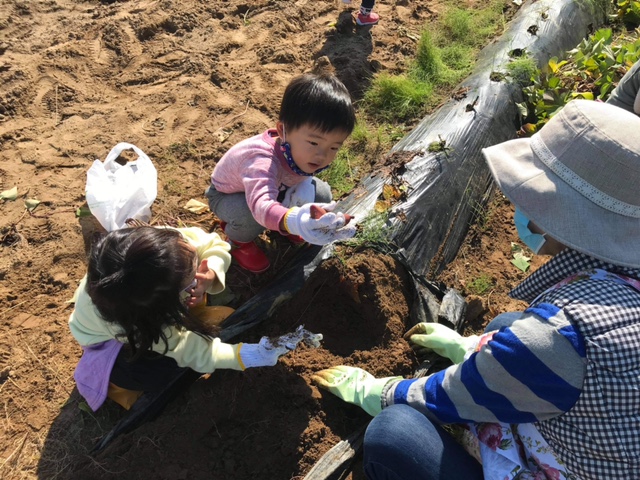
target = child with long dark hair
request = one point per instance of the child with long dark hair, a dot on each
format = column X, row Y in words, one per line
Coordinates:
column 133, row 307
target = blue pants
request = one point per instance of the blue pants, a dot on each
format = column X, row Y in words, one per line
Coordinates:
column 401, row 443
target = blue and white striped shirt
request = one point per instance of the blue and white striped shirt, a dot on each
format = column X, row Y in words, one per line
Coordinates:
column 512, row 378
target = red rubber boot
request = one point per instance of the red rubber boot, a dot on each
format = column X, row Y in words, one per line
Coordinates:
column 249, row 256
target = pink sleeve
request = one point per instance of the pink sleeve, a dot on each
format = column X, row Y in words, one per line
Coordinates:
column 261, row 190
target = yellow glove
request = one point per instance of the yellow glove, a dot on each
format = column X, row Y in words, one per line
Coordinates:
column 442, row 340
column 354, row 385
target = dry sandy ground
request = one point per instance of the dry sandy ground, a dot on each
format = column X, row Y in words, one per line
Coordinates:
column 182, row 80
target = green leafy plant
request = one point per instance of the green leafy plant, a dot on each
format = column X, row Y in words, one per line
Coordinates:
column 627, row 11
column 520, row 260
column 591, row 71
column 31, row 204
column 10, row 194
column 480, row 285
column 601, row 61
column 375, row 229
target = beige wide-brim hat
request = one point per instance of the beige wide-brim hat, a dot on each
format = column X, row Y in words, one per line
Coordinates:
column 578, row 179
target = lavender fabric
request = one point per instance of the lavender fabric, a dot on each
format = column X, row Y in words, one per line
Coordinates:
column 94, row 369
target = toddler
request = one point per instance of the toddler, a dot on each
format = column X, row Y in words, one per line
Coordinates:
column 267, row 181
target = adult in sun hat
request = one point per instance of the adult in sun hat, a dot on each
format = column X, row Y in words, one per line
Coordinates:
column 550, row 392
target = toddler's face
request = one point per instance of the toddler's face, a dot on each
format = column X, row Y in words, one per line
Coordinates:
column 312, row 148
column 190, row 281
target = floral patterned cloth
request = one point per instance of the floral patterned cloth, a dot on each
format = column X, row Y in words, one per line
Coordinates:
column 513, row 452
column 519, row 452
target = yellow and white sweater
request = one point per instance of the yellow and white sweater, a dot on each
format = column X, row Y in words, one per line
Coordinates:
column 187, row 348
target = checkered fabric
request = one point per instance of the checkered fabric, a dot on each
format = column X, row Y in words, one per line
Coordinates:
column 563, row 265
column 599, row 437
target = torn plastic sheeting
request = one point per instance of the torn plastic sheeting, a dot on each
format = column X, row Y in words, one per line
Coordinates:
column 284, row 286
column 444, row 188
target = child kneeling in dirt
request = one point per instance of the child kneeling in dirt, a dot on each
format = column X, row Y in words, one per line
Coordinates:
column 267, row 182
column 132, row 307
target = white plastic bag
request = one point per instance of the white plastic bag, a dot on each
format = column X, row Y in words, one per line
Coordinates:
column 117, row 192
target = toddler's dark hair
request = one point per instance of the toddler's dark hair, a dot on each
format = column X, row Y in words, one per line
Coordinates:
column 319, row 100
column 135, row 277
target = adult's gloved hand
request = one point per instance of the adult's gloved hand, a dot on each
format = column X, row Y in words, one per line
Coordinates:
column 300, row 194
column 267, row 352
column 329, row 227
column 442, row 340
column 354, row 385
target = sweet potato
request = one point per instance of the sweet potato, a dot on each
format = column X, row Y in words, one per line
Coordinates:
column 316, row 212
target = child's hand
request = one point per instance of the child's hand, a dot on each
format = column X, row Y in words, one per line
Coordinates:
column 328, row 227
column 269, row 350
column 204, row 279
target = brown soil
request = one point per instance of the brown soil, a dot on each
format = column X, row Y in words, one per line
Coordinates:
column 184, row 81
column 484, row 260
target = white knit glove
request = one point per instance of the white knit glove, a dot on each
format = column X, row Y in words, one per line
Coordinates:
column 326, row 229
column 267, row 352
column 300, row 194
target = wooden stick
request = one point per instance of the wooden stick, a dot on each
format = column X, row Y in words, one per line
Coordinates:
column 338, row 460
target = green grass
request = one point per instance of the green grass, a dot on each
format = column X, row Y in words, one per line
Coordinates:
column 177, row 152
column 396, row 98
column 522, row 70
column 599, row 7
column 458, row 23
column 482, row 215
column 340, row 176
column 445, row 54
column 428, row 63
column 174, row 187
column 458, row 57
column 354, row 158
column 360, row 136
